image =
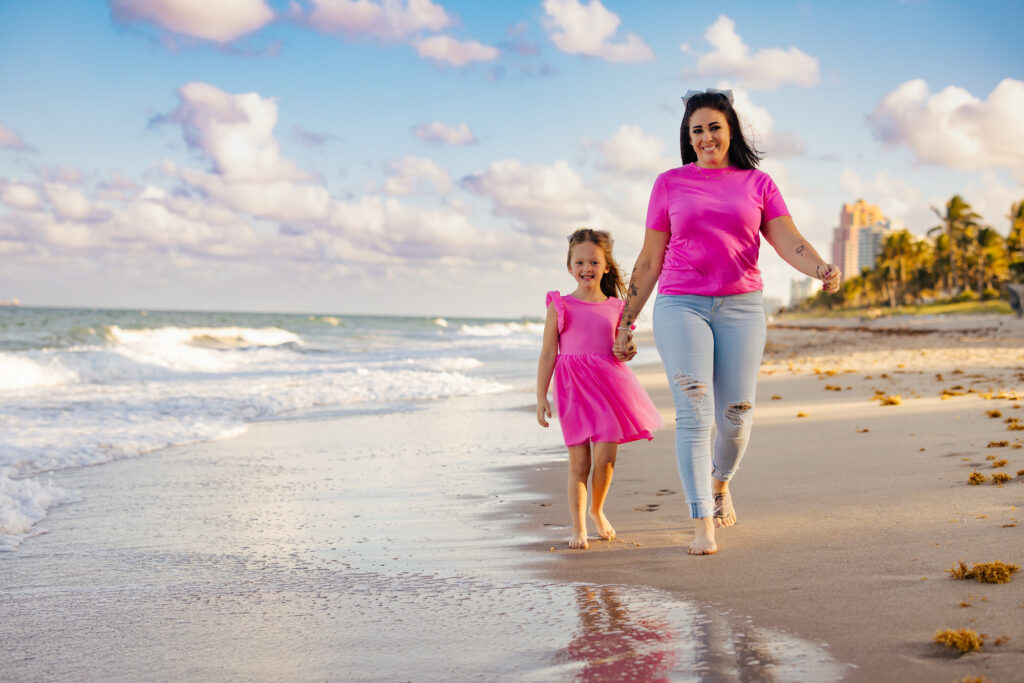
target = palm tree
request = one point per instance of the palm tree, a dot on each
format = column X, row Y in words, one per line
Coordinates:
column 900, row 257
column 960, row 224
column 993, row 263
column 1015, row 241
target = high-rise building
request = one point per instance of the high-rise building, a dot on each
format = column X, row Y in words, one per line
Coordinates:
column 870, row 239
column 846, row 238
column 800, row 289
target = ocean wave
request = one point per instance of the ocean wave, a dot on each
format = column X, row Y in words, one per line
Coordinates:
column 217, row 337
column 23, row 504
column 31, row 370
column 501, row 329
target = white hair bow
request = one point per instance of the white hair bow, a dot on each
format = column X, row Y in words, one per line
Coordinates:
column 727, row 94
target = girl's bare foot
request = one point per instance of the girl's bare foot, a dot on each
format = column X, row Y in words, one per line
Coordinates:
column 579, row 541
column 604, row 527
column 725, row 513
column 704, row 537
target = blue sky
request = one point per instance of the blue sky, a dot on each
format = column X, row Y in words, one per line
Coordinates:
column 421, row 157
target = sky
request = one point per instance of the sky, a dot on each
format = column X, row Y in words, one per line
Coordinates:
column 413, row 157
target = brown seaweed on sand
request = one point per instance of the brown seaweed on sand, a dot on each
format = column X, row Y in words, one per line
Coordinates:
column 984, row 572
column 976, row 478
column 963, row 639
column 1001, row 478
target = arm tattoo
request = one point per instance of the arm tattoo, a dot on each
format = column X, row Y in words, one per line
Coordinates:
column 800, row 250
column 627, row 316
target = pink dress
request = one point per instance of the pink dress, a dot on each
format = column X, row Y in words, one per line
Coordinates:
column 597, row 397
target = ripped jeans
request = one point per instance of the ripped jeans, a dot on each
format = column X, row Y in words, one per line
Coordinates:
column 711, row 347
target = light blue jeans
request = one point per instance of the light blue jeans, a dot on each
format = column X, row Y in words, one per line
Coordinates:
column 711, row 347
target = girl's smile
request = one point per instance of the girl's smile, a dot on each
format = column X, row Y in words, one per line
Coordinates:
column 588, row 266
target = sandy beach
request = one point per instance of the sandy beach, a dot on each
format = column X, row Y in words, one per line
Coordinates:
column 429, row 543
column 850, row 514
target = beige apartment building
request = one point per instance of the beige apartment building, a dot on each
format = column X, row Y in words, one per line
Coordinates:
column 846, row 239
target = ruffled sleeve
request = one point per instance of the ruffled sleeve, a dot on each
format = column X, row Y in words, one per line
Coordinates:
column 556, row 298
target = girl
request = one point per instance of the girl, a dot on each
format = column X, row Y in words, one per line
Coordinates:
column 600, row 403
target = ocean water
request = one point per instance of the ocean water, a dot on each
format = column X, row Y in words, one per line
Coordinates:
column 85, row 387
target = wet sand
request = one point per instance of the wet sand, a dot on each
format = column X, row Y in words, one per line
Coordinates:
column 848, row 517
column 373, row 546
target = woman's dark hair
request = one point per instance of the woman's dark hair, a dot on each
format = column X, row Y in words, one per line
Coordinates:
column 741, row 153
column 611, row 282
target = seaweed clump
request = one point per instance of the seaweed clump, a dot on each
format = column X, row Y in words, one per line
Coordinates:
column 1001, row 478
column 998, row 444
column 1001, row 462
column 976, row 478
column 963, row 639
column 984, row 572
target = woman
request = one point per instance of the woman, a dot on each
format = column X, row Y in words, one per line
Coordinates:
column 704, row 224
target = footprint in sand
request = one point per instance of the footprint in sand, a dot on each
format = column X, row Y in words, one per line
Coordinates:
column 664, row 492
column 650, row 507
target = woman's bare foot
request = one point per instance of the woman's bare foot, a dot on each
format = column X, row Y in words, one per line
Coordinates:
column 704, row 537
column 604, row 527
column 725, row 513
column 579, row 540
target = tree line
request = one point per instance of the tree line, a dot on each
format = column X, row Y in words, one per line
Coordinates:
column 961, row 260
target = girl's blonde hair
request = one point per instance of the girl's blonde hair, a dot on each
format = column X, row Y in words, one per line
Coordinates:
column 611, row 282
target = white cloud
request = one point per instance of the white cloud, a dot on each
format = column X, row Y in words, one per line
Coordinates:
column 68, row 202
column 117, row 187
column 766, row 69
column 992, row 199
column 221, row 21
column 19, row 196
column 953, row 127
column 63, row 174
column 11, row 140
column 897, row 198
column 416, row 175
column 588, row 30
column 631, row 150
column 387, row 20
column 547, row 200
column 235, row 132
column 455, row 52
column 759, row 128
column 799, row 200
column 443, row 133
column 280, row 200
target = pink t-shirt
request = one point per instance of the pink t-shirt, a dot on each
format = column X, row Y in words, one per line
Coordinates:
column 715, row 217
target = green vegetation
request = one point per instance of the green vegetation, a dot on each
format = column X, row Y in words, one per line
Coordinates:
column 961, row 268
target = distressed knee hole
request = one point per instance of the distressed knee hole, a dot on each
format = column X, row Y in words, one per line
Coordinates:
column 736, row 411
column 693, row 389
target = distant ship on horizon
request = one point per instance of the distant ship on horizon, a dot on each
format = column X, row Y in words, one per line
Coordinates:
column 12, row 302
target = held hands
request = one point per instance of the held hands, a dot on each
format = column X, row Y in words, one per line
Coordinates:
column 543, row 411
column 625, row 347
column 830, row 277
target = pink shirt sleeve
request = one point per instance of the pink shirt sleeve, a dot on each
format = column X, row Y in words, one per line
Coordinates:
column 657, row 209
column 773, row 203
